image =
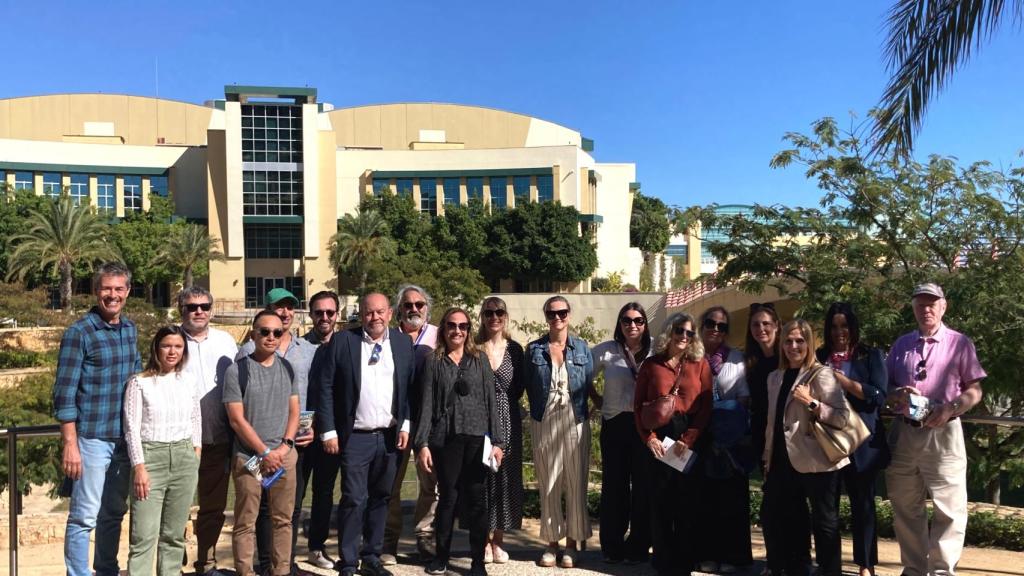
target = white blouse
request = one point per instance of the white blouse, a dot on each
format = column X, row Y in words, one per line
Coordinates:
column 161, row 408
column 732, row 379
column 619, row 379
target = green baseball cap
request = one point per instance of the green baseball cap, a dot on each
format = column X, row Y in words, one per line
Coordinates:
column 278, row 294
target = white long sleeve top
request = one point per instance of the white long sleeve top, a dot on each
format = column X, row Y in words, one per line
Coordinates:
column 163, row 408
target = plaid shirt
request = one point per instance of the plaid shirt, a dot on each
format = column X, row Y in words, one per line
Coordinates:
column 95, row 362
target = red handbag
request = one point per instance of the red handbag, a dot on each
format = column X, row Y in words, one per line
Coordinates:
column 658, row 412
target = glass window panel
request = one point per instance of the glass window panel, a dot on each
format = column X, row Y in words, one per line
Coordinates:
column 451, row 191
column 499, row 193
column 428, row 196
column 403, row 186
column 380, row 184
column 545, row 188
column 475, row 187
column 133, row 193
column 105, row 193
column 51, row 184
column 158, row 186
column 79, row 188
column 23, row 181
column 521, row 189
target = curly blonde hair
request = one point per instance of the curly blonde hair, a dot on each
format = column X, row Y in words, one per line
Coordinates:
column 694, row 350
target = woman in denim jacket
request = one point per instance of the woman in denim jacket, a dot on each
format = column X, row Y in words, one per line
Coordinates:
column 559, row 373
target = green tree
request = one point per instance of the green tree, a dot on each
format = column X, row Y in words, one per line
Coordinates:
column 142, row 237
column 884, row 225
column 60, row 235
column 362, row 239
column 15, row 206
column 928, row 40
column 540, row 241
column 188, row 251
column 650, row 231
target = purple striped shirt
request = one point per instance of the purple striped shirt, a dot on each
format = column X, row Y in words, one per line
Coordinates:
column 950, row 363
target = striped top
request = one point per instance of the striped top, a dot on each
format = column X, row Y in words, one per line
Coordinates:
column 161, row 408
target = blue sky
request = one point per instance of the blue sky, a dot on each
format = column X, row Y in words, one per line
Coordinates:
column 697, row 94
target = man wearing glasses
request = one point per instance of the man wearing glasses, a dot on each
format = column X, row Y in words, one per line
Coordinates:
column 210, row 352
column 413, row 310
column 934, row 378
column 363, row 415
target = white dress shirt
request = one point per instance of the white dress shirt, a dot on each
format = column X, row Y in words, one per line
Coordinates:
column 207, row 361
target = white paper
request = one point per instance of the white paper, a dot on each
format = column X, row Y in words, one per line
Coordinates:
column 488, row 455
column 681, row 463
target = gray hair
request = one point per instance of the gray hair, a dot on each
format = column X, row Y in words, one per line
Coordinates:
column 406, row 288
column 193, row 291
column 111, row 269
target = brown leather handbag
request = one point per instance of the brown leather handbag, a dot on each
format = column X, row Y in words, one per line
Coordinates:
column 658, row 412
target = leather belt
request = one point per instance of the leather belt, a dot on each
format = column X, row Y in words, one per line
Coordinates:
column 370, row 431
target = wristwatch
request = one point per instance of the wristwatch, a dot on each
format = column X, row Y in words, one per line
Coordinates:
column 289, row 442
column 957, row 405
column 813, row 405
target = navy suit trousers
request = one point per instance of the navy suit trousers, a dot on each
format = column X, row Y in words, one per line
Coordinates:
column 368, row 465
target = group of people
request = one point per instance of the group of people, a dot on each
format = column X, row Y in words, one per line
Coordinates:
column 285, row 409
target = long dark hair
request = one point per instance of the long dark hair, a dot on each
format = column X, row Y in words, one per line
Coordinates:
column 752, row 353
column 153, row 365
column 469, row 348
column 645, row 338
column 852, row 324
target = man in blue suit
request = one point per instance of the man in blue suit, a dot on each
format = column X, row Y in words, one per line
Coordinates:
column 364, row 416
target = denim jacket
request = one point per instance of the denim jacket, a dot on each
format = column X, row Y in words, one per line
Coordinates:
column 579, row 363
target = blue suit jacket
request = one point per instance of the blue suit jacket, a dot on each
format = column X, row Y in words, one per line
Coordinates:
column 867, row 366
column 340, row 372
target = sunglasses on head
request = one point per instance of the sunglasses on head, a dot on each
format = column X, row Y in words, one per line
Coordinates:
column 419, row 305
column 680, row 330
column 758, row 305
column 205, row 307
column 264, row 332
column 562, row 314
column 722, row 327
column 324, row 313
column 494, row 313
column 460, row 326
column 638, row 320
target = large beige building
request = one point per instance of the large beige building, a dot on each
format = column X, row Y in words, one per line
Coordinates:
column 270, row 170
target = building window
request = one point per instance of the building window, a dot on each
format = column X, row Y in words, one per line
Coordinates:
column 271, row 193
column 133, row 193
column 545, row 188
column 475, row 188
column 451, row 191
column 499, row 192
column 105, row 193
column 271, row 133
column 158, row 186
column 403, row 186
column 256, row 288
column 521, row 189
column 380, row 185
column 51, row 184
column 23, row 181
column 79, row 188
column 273, row 241
column 428, row 196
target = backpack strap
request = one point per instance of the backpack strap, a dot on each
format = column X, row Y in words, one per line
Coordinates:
column 243, row 375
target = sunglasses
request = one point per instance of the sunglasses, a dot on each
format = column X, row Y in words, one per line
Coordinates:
column 638, row 320
column 680, row 330
column 205, row 307
column 495, row 313
column 419, row 305
column 460, row 326
column 922, row 371
column 562, row 314
column 324, row 313
column 265, row 332
column 375, row 354
column 758, row 305
column 461, row 386
column 722, row 327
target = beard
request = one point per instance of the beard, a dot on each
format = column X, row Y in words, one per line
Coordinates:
column 413, row 321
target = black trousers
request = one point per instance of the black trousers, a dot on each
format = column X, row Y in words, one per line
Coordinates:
column 861, row 488
column 788, row 524
column 725, row 520
column 673, row 519
column 625, row 501
column 461, row 479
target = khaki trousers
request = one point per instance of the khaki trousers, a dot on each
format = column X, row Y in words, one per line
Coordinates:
column 281, row 499
column 928, row 463
column 426, row 504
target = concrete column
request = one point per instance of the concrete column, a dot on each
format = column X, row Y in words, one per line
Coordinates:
column 145, row 193
column 119, row 196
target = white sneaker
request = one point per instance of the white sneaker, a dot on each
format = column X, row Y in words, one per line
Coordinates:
column 708, row 566
column 320, row 560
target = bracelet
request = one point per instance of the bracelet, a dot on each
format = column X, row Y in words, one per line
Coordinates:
column 265, row 452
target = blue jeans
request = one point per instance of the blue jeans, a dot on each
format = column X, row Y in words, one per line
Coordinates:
column 99, row 500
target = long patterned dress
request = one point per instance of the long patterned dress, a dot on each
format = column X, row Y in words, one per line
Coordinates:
column 505, row 487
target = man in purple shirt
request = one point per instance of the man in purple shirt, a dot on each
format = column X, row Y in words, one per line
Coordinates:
column 934, row 378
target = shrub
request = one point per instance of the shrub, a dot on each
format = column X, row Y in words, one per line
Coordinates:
column 26, row 359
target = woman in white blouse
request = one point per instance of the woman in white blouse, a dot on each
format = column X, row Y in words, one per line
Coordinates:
column 163, row 430
column 624, row 457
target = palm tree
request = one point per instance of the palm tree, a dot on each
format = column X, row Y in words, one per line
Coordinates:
column 61, row 235
column 928, row 41
column 189, row 246
column 361, row 239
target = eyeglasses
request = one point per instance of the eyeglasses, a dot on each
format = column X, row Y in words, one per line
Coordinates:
column 460, row 326
column 205, row 307
column 375, row 354
column 562, row 314
column 638, row 320
column 922, row 371
column 419, row 305
column 265, row 332
column 324, row 313
column 494, row 313
column 722, row 327
column 758, row 305
column 680, row 330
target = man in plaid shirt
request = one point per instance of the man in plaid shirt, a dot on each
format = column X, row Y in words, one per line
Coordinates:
column 98, row 355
